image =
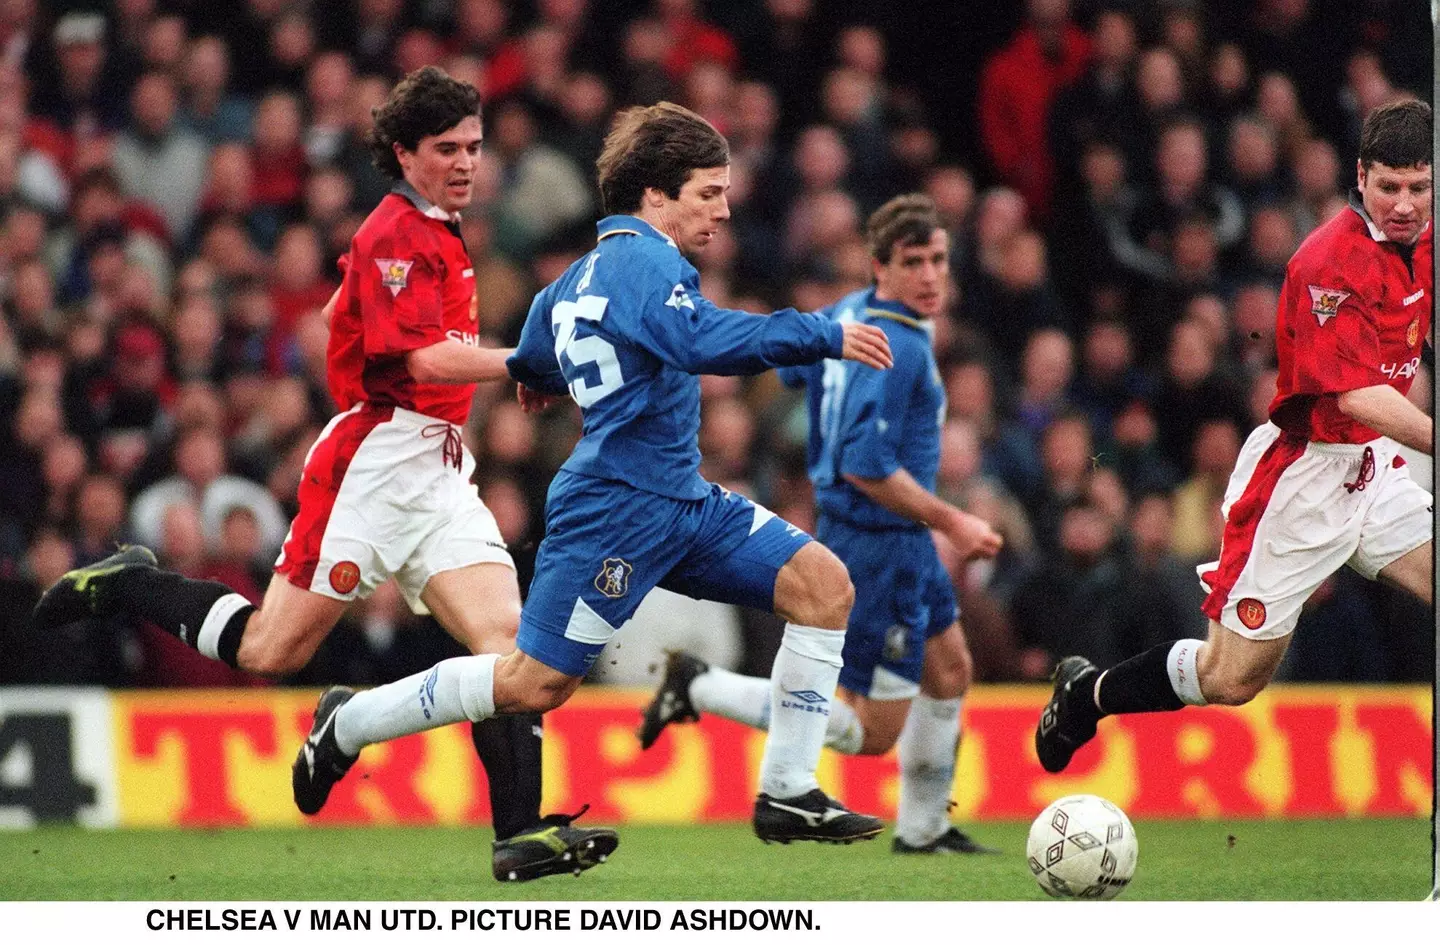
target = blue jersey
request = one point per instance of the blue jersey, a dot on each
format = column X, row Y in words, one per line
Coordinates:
column 625, row 331
column 870, row 423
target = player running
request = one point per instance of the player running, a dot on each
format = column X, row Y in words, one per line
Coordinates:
column 1321, row 484
column 625, row 331
column 874, row 452
column 386, row 489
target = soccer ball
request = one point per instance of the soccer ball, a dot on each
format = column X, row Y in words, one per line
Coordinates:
column 1082, row 847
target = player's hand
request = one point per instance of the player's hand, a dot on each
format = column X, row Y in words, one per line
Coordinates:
column 532, row 401
column 866, row 344
column 972, row 536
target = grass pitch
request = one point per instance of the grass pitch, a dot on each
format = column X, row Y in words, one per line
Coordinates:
column 1266, row 860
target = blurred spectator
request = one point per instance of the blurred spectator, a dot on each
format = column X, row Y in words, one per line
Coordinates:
column 208, row 107
column 1198, row 522
column 1077, row 602
column 201, row 477
column 543, row 191
column 156, row 159
column 1016, row 88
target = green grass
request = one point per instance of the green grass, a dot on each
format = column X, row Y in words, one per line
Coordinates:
column 1337, row 859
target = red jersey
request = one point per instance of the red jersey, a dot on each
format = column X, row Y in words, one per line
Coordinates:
column 1353, row 313
column 408, row 284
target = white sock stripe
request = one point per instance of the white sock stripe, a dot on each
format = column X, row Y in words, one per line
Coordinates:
column 815, row 643
column 221, row 611
column 1183, row 666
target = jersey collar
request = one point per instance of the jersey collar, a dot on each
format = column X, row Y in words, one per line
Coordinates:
column 895, row 312
column 622, row 223
column 1357, row 203
column 404, row 189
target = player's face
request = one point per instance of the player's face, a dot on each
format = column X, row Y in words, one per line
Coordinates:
column 693, row 218
column 1397, row 199
column 442, row 167
column 917, row 275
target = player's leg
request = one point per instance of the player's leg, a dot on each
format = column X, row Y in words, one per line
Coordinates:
column 274, row 639
column 480, row 606
column 690, row 686
column 928, row 747
column 1413, row 571
column 743, row 554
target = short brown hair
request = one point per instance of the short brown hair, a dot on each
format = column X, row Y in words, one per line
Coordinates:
column 655, row 146
column 426, row 102
column 907, row 220
column 1397, row 135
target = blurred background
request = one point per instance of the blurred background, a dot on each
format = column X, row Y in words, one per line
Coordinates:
column 1123, row 184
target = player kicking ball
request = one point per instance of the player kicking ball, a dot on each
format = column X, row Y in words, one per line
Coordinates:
column 386, row 489
column 874, row 452
column 1322, row 484
column 625, row 332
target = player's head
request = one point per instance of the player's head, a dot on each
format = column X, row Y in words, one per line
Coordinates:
column 910, row 254
column 428, row 134
column 1394, row 172
column 670, row 167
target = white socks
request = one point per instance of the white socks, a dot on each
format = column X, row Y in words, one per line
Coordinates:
column 802, row 699
column 927, row 748
column 453, row 691
column 746, row 699
column 1182, row 665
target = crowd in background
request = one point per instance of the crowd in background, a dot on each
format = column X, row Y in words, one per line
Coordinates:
column 178, row 179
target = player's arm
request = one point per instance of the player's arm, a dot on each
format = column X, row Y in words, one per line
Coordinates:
column 534, row 363
column 689, row 332
column 453, row 362
column 1385, row 410
column 900, row 493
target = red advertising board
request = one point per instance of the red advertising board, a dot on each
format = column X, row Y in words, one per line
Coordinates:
column 223, row 758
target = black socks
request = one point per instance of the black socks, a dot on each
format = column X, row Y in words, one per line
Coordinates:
column 509, row 748
column 180, row 606
column 1140, row 684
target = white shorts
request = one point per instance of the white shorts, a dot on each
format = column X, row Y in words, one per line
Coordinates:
column 386, row 492
column 1295, row 513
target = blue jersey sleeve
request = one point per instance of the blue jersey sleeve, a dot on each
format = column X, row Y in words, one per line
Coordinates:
column 692, row 334
column 873, row 425
column 534, row 363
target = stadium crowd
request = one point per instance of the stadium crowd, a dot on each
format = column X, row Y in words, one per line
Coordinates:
column 178, row 179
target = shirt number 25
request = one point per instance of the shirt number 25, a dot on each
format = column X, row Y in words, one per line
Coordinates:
column 590, row 350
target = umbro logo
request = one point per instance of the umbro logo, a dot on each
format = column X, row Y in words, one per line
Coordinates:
column 807, row 695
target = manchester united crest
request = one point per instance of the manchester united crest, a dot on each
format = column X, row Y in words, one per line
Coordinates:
column 1412, row 334
column 614, row 577
column 345, row 577
column 1251, row 613
column 394, row 273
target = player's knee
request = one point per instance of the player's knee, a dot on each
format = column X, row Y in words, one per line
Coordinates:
column 1231, row 688
column 497, row 629
column 826, row 593
column 878, row 742
column 269, row 655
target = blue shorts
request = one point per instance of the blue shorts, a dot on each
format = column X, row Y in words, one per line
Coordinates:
column 903, row 597
column 607, row 545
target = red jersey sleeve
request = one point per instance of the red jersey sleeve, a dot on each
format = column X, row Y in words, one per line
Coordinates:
column 399, row 288
column 1333, row 337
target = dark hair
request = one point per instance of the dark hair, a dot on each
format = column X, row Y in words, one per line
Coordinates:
column 426, row 102
column 1397, row 135
column 907, row 220
column 655, row 146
